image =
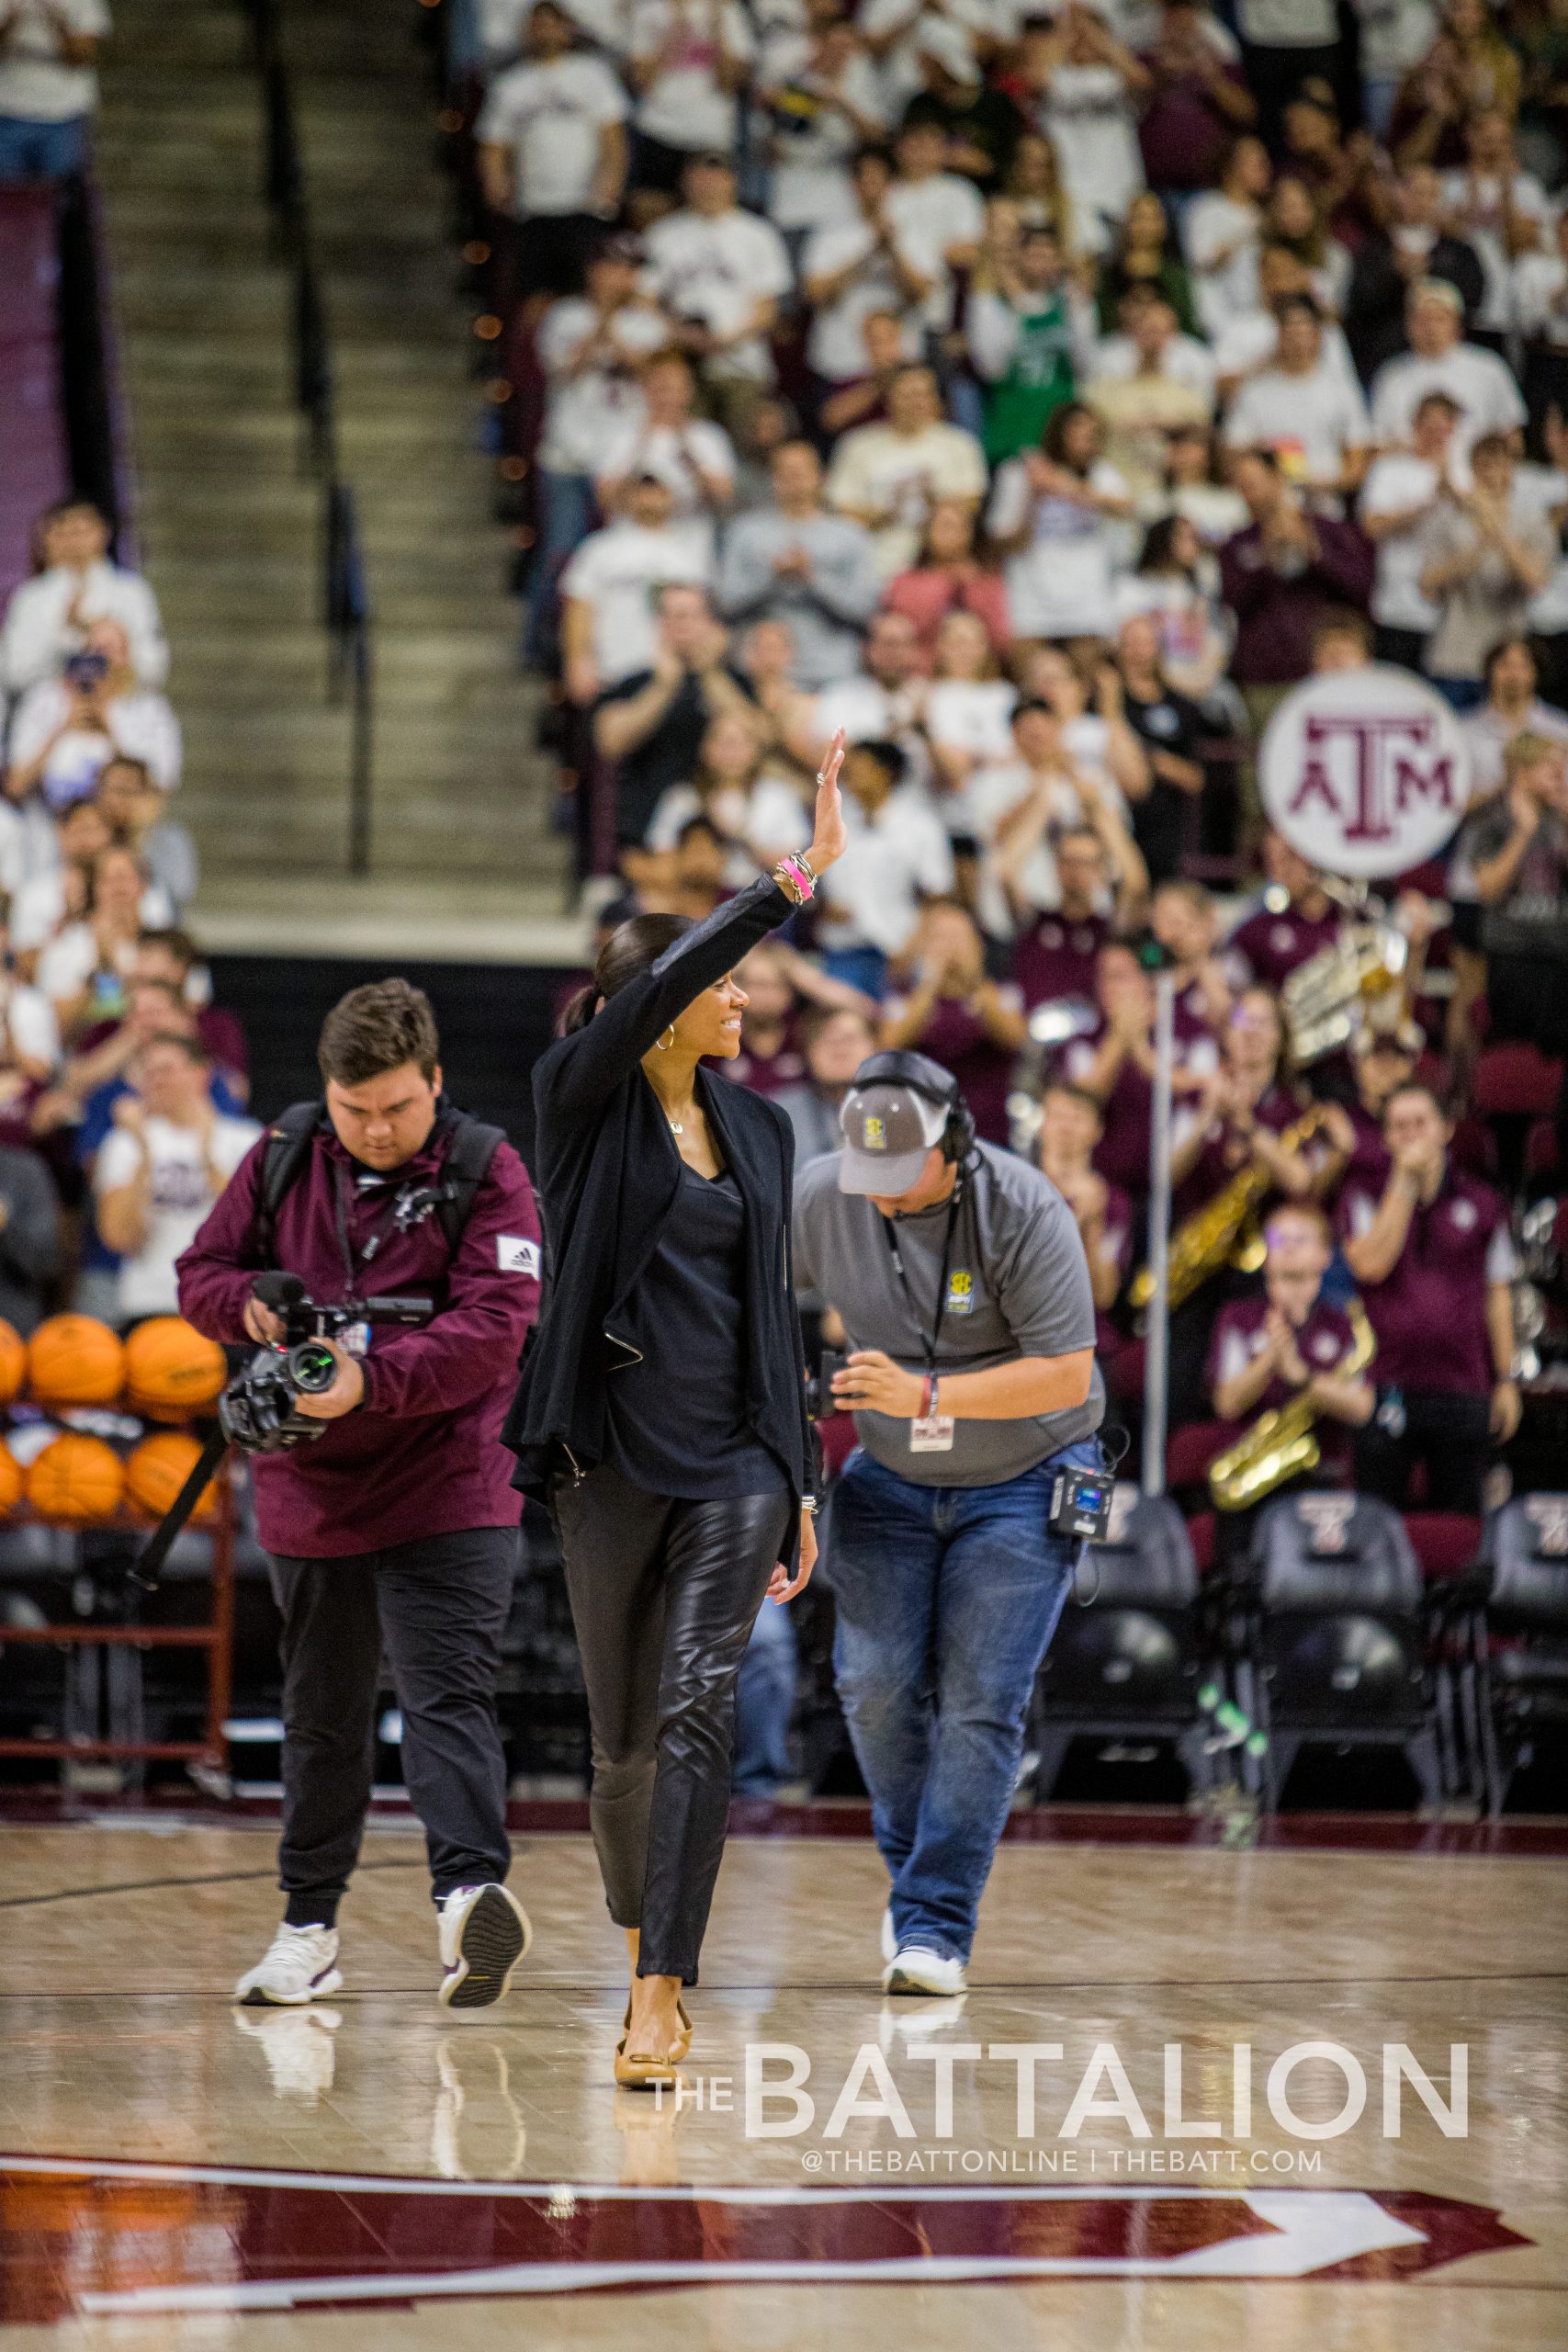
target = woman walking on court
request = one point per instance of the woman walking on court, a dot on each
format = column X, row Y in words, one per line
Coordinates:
column 661, row 1409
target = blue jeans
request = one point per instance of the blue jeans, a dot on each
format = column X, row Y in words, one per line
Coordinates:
column 947, row 1600
column 40, row 150
column 1461, row 695
column 566, row 512
column 764, row 1701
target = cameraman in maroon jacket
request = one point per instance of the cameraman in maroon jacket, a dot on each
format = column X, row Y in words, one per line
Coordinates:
column 398, row 1524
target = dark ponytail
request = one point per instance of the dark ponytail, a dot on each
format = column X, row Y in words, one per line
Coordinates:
column 632, row 949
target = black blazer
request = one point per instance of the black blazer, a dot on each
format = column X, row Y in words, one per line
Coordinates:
column 606, row 1171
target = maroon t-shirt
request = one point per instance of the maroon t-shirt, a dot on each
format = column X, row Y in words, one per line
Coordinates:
column 1273, row 946
column 1214, row 1166
column 1367, row 1169
column 1183, row 133
column 1055, row 958
column 1121, row 1155
column 959, row 1040
column 769, row 1073
column 1322, row 1341
column 1429, row 1313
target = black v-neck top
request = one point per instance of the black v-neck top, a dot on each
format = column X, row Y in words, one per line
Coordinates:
column 677, row 1417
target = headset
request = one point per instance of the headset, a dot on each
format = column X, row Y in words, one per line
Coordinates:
column 927, row 1079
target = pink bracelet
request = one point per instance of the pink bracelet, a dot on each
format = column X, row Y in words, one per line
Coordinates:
column 799, row 875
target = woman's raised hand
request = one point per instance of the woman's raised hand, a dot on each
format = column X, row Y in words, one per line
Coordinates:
column 828, row 837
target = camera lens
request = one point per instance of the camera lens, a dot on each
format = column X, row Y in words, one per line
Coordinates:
column 311, row 1367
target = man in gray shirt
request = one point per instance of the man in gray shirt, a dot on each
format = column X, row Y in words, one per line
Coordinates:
column 794, row 562
column 962, row 1283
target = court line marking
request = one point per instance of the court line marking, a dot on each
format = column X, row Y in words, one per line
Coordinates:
column 161, row 1886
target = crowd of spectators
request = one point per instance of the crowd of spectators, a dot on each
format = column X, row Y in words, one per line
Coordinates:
column 1040, row 397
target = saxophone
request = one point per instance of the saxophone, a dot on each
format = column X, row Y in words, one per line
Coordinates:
column 1224, row 1232
column 1282, row 1444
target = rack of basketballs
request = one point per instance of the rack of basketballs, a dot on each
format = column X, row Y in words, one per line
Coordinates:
column 98, row 1436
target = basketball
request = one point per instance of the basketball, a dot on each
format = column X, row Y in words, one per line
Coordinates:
column 13, row 1363
column 158, row 1468
column 10, row 1477
column 76, row 1359
column 171, row 1371
column 77, row 1479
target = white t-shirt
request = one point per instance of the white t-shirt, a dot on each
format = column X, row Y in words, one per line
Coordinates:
column 34, row 85
column 1249, row 340
column 835, row 342
column 37, row 911
column 900, row 476
column 1537, row 489
column 550, row 113
column 1184, row 360
column 989, row 796
column 180, row 1200
column 1089, row 119
column 716, row 271
column 618, row 573
column 1222, row 237
column 38, row 632
column 772, row 815
column 1061, row 584
column 1287, row 24
column 1476, row 380
column 584, row 414
column 972, row 715
column 1397, row 482
column 1395, row 34
column 683, row 105
column 28, row 1019
column 934, row 215
column 671, row 452
column 1540, row 299
column 1488, row 736
column 813, row 144
column 871, row 896
column 1310, row 422
column 1476, row 205
column 141, row 725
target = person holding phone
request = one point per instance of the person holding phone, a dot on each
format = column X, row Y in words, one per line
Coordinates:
column 661, row 1412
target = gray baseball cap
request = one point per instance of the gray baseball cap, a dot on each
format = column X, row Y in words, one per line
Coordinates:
column 889, row 1129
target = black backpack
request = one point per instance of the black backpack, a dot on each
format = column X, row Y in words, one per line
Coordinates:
column 289, row 1141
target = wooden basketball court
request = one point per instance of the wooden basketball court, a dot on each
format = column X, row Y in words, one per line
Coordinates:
column 177, row 2172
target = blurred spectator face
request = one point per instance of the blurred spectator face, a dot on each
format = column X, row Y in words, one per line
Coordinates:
column 768, row 650
column 684, row 622
column 1287, row 867
column 1145, row 223
column 107, row 638
column 950, row 533
column 1037, row 731
column 1280, row 273
column 1151, row 325
column 836, row 1049
column 730, row 748
column 1542, row 781
column 892, row 650
column 796, row 473
column 770, row 998
column 921, row 150
column 1311, row 129
column 172, row 1081
column 74, row 539
column 1258, row 483
column 1433, row 322
column 1432, row 428
column 1034, row 176
column 1511, row 676
column 1052, row 677
column 1254, row 1033
column 157, row 960
column 1249, row 170
column 883, row 339
column 1121, row 981
column 865, row 779
column 913, row 400
column 1298, row 1250
column 1138, row 645
column 117, row 885
column 872, row 177
column 1183, row 922
column 1491, row 464
column 1419, row 197
column 963, row 648
column 1414, row 1126
column 1336, row 649
column 699, row 863
column 1082, row 439
column 1489, row 139
column 611, row 279
column 836, row 45
column 82, row 834
column 666, row 389
column 1081, row 870
column 765, row 429
column 948, row 944
column 1300, row 338
column 1039, row 260
column 157, row 1007
column 549, row 32
column 1069, row 1127
column 709, row 185
column 126, row 796
column 1382, row 1064
column 650, row 503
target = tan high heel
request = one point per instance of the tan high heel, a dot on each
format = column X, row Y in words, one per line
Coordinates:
column 640, row 2069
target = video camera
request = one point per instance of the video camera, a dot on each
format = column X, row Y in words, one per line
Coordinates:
column 258, row 1411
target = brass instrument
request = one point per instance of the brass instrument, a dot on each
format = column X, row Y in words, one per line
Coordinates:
column 1282, row 1444
column 1225, row 1231
column 1358, row 982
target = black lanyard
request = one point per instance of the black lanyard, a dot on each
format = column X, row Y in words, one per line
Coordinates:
column 351, row 1265
column 928, row 1346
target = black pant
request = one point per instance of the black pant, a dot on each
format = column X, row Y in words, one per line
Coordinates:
column 664, row 1594
column 1450, row 1435
column 548, row 252
column 1403, row 646
column 439, row 1606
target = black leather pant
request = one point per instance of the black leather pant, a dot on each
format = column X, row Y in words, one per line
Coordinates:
column 664, row 1594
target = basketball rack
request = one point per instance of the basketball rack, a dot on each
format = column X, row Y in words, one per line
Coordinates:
column 107, row 1670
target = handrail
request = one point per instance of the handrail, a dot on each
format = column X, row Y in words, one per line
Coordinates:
column 345, row 599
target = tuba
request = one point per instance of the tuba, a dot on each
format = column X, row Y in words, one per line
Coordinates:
column 1282, row 1444
column 1358, row 982
column 1224, row 1232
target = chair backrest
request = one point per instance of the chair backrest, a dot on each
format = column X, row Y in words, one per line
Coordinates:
column 1528, row 1546
column 1317, row 1554
column 1147, row 1560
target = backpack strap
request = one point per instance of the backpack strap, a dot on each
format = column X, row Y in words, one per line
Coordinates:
column 472, row 1148
column 469, row 1156
column 289, row 1141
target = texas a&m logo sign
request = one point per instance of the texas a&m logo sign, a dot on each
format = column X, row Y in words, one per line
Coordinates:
column 1365, row 771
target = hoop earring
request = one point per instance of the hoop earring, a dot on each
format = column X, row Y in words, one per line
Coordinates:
column 658, row 1045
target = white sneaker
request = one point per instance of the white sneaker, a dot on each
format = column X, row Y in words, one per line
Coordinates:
column 484, row 1934
column 300, row 1965
column 889, row 1940
column 913, row 1969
